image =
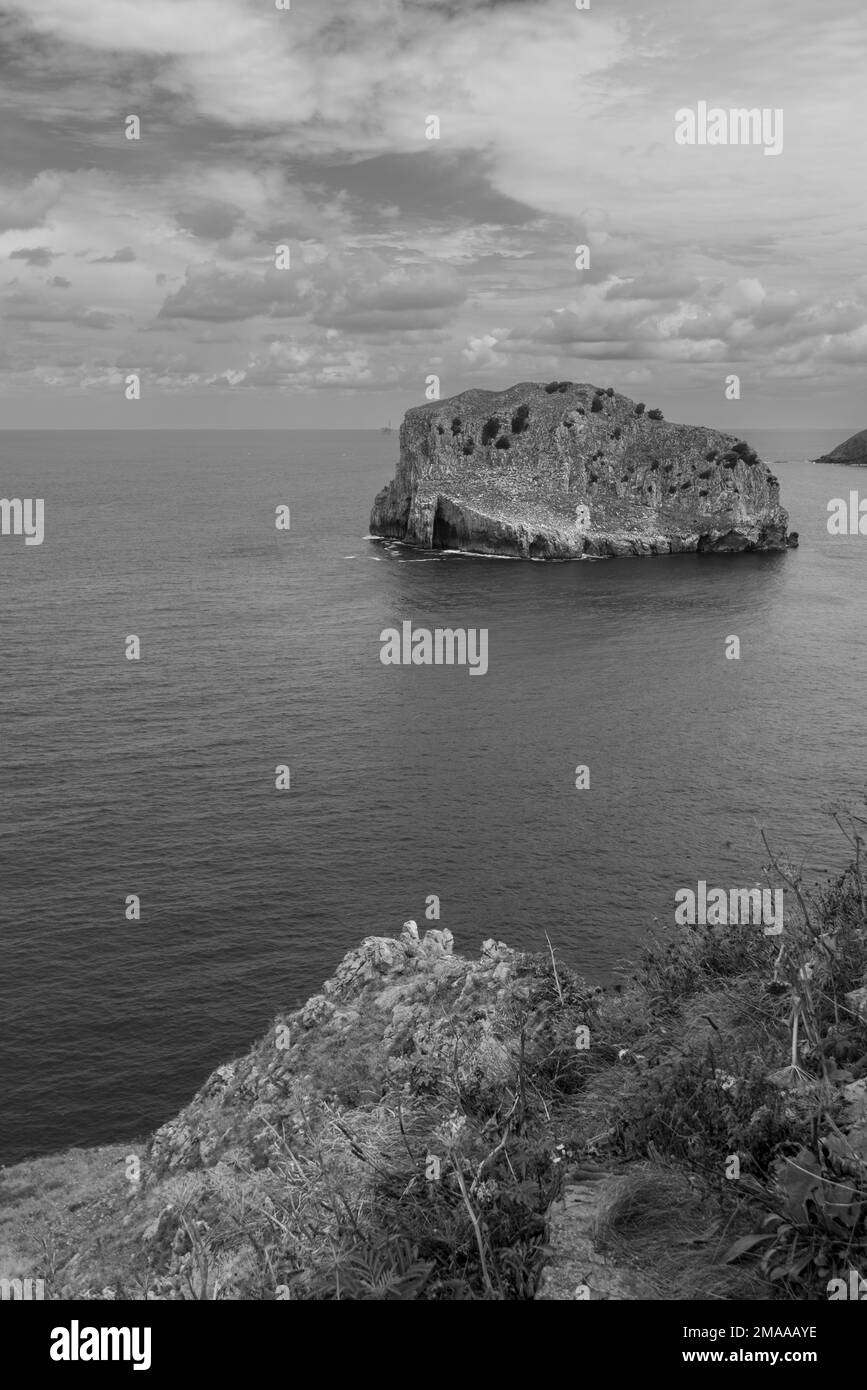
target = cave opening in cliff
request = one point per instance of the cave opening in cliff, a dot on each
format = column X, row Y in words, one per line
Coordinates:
column 445, row 536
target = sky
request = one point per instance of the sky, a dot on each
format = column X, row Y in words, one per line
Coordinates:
column 411, row 257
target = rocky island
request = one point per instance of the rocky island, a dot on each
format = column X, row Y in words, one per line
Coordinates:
column 852, row 451
column 569, row 470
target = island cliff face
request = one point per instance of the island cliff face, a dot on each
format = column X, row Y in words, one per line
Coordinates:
column 568, row 470
column 852, row 451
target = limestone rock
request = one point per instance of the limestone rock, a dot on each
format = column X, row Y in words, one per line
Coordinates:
column 575, row 1263
column 375, row 1008
column 573, row 472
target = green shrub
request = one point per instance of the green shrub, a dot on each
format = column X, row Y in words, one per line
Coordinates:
column 596, row 405
column 491, row 429
column 640, row 408
column 469, row 446
column 654, row 414
column 552, row 387
column 456, row 425
column 503, row 442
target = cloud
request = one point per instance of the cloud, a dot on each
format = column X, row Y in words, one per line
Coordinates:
column 33, row 255
column 217, row 295
column 122, row 257
column 307, row 127
column 362, row 293
column 22, row 208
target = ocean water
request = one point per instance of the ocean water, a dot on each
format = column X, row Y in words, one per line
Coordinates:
column 261, row 647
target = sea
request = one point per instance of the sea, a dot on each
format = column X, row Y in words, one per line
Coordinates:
column 414, row 792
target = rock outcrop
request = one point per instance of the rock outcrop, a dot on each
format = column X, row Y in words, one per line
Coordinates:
column 566, row 471
column 389, row 997
column 852, row 451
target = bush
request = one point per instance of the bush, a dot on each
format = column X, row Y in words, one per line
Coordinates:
column 654, row 467
column 520, row 419
column 594, row 477
column 503, row 442
column 564, row 386
column 673, row 487
column 552, row 387
column 654, row 414
column 491, row 429
column 596, row 405
column 456, row 425
column 705, row 473
column 639, row 409
column 711, row 455
column 441, row 429
column 615, row 434
column 609, row 390
column 469, row 446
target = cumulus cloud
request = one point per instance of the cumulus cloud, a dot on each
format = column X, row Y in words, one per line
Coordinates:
column 307, row 127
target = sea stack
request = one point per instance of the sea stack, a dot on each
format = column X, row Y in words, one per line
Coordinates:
column 569, row 470
column 852, row 451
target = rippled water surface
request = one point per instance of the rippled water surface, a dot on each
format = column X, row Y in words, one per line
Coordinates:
column 261, row 647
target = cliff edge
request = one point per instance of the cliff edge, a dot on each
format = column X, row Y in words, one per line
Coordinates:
column 434, row 1126
column 568, row 470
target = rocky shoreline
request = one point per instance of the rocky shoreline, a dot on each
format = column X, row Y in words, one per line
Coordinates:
column 437, row 1126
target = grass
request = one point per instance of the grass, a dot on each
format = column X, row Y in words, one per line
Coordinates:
column 718, row 1098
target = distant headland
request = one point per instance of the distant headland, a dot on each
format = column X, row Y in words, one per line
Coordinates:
column 852, row 451
column 569, row 470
